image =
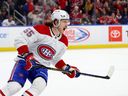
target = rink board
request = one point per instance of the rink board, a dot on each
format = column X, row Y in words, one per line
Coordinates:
column 80, row 37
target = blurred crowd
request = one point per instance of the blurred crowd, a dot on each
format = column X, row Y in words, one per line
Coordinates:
column 83, row 12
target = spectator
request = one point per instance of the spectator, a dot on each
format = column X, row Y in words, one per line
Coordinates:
column 50, row 5
column 63, row 4
column 11, row 5
column 89, row 11
column 76, row 15
column 112, row 19
column 86, row 20
column 28, row 6
column 89, row 7
column 118, row 16
column 1, row 2
column 3, row 14
column 8, row 22
column 47, row 17
column 36, row 17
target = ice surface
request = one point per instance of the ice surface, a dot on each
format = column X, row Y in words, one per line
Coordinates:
column 95, row 61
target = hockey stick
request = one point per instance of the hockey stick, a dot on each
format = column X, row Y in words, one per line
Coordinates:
column 108, row 76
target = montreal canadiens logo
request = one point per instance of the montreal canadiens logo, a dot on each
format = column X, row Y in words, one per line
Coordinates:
column 75, row 34
column 46, row 52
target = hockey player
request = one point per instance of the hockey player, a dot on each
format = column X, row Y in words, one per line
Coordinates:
column 40, row 44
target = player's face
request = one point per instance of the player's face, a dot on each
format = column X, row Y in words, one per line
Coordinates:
column 63, row 25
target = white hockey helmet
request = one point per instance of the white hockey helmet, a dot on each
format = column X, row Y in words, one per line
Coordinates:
column 59, row 15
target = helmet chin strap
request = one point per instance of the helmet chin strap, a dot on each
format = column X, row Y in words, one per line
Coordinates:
column 56, row 27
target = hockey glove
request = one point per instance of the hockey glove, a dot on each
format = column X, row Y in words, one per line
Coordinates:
column 72, row 71
column 29, row 59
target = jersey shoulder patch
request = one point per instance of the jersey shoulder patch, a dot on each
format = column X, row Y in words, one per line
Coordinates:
column 42, row 29
column 64, row 39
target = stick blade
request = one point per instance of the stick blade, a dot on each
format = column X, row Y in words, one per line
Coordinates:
column 110, row 72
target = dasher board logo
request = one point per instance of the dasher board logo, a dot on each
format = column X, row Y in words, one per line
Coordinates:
column 75, row 34
column 115, row 33
column 3, row 35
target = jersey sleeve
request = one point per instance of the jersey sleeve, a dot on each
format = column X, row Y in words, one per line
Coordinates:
column 60, row 64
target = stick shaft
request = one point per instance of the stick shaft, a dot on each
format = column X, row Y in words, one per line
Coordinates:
column 97, row 76
column 61, row 70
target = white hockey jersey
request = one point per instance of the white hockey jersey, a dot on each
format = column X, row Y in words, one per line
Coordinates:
column 41, row 41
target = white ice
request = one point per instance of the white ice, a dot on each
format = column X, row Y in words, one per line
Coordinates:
column 94, row 61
